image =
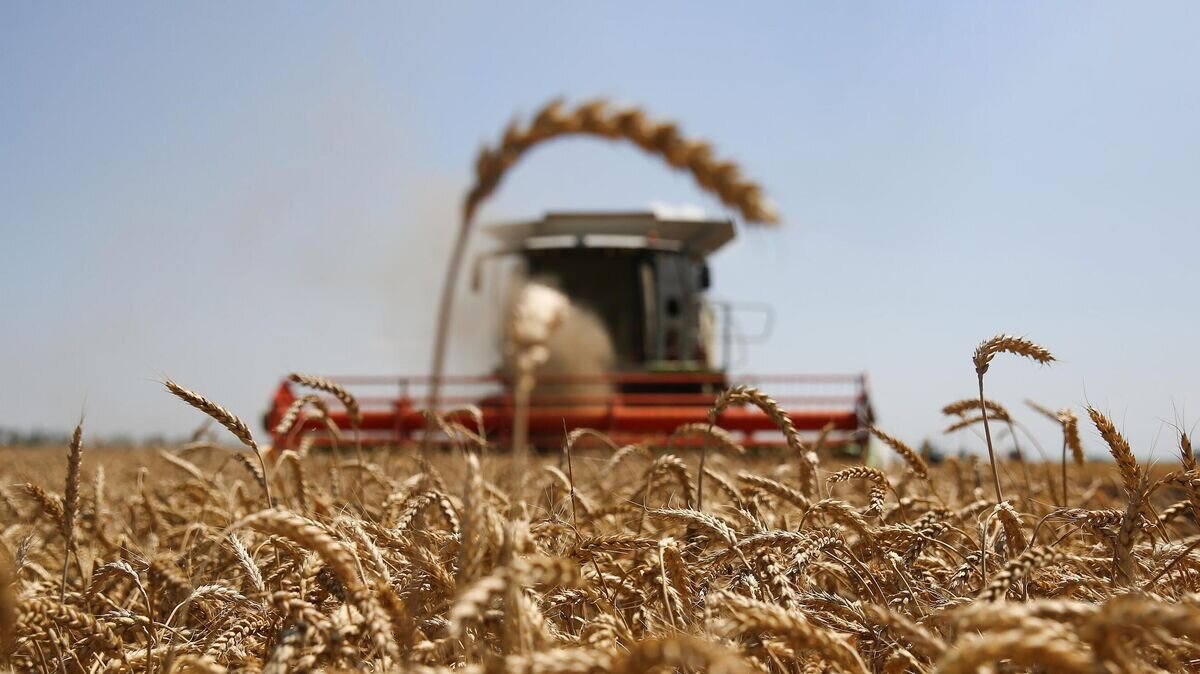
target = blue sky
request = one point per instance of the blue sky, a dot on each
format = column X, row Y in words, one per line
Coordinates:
column 224, row 192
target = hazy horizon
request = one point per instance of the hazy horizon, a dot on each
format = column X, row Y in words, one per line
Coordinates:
column 223, row 193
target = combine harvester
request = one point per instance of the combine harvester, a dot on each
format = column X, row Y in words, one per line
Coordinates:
column 637, row 281
column 644, row 277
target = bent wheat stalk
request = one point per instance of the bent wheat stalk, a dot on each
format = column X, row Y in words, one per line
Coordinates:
column 229, row 420
column 984, row 353
column 346, row 399
column 722, row 178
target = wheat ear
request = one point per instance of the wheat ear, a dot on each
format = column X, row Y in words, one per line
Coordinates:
column 348, row 401
column 1029, row 646
column 1020, row 346
column 597, row 118
column 910, row 456
column 961, row 407
column 808, row 460
column 339, row 559
column 71, row 501
column 334, row 389
column 1127, row 464
column 229, row 420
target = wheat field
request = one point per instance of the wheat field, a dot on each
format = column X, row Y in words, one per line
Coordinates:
column 217, row 556
column 598, row 559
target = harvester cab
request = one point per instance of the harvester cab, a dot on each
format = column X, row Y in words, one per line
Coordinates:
column 642, row 276
column 637, row 282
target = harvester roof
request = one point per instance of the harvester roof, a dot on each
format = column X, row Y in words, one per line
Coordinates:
column 693, row 237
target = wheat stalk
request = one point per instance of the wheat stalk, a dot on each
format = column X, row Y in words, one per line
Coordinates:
column 596, row 118
column 982, row 358
column 231, row 422
column 71, row 501
column 8, row 609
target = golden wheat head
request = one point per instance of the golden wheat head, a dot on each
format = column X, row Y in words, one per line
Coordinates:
column 333, row 388
column 1127, row 464
column 1008, row 344
column 722, row 178
column 910, row 456
column 228, row 419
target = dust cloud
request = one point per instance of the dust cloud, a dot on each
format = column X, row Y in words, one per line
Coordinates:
column 571, row 341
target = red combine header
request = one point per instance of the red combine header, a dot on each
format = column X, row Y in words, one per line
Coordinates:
column 640, row 280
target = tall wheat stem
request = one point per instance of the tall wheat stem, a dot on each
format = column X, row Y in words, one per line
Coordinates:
column 982, row 358
column 720, row 178
column 700, row 473
column 1012, row 430
column 441, row 335
column 987, row 432
column 1064, row 471
column 71, row 503
column 523, row 389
